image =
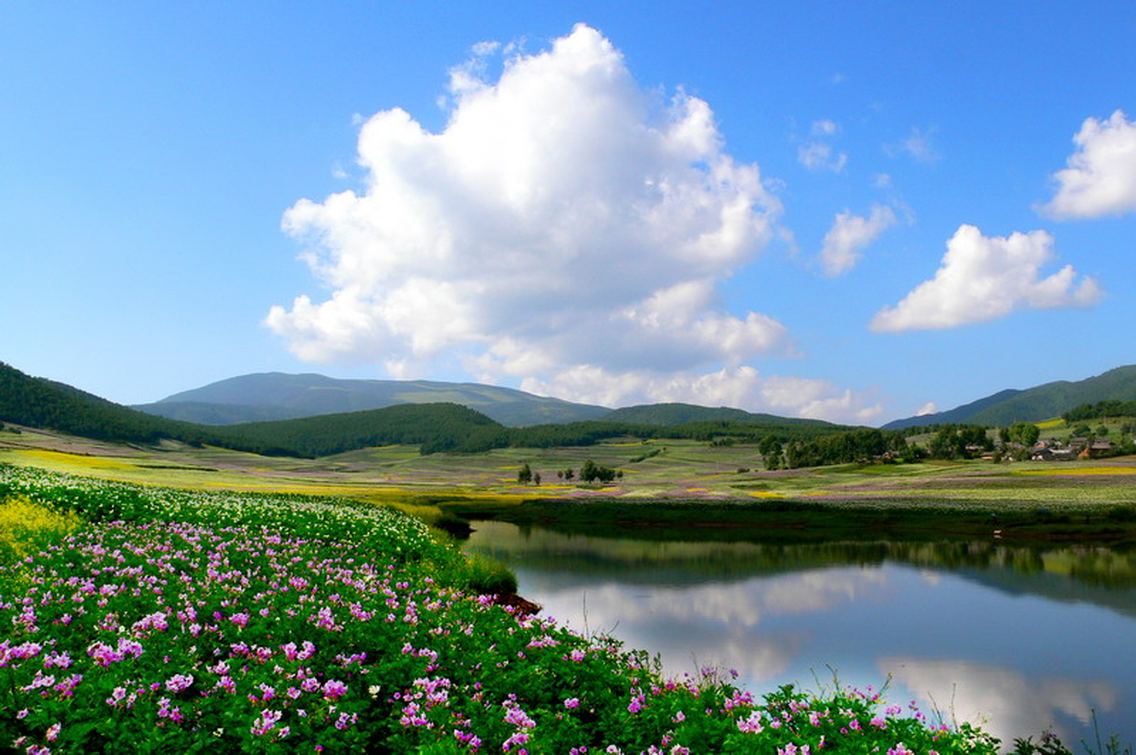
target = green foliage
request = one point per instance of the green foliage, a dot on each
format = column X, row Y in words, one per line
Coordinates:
column 840, row 448
column 525, row 476
column 685, row 414
column 41, row 403
column 1025, row 433
column 1100, row 410
column 959, row 442
column 436, row 427
column 592, row 472
column 481, row 575
column 644, row 456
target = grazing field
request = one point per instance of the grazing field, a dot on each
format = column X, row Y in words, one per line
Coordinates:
column 155, row 619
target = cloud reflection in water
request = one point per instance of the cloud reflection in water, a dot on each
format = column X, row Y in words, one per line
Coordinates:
column 1005, row 702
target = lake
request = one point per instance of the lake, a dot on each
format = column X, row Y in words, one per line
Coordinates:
column 1017, row 639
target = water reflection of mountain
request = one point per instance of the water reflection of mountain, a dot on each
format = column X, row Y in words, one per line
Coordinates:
column 1093, row 574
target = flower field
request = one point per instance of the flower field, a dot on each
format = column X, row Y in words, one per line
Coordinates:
column 162, row 620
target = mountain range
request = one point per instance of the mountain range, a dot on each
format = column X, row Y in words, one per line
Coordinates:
column 314, row 415
column 1033, row 404
column 435, row 426
column 277, row 396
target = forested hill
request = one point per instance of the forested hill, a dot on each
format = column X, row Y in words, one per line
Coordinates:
column 1034, row 404
column 960, row 415
column 42, row 403
column 681, row 414
column 436, row 427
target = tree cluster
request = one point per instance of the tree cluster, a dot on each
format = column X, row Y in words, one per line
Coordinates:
column 1100, row 410
column 526, row 476
column 959, row 442
column 865, row 444
column 592, row 472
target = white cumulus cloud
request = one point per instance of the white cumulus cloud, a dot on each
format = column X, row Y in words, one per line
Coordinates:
column 1101, row 177
column 850, row 235
column 566, row 226
column 566, row 231
column 984, row 278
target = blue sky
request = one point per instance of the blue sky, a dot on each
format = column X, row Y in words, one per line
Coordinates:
column 844, row 210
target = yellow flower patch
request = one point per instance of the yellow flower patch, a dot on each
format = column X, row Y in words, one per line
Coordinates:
column 26, row 526
column 1065, row 470
column 80, row 460
column 766, row 494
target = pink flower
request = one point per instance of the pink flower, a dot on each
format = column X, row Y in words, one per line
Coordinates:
column 178, row 682
column 333, row 690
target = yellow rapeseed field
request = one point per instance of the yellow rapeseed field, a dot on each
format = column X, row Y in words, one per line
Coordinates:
column 1064, row 470
column 80, row 460
column 26, row 527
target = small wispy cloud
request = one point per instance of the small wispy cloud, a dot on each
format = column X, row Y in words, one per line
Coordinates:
column 918, row 145
column 850, row 235
column 818, row 154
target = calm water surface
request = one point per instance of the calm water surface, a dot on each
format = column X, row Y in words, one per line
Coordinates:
column 1017, row 639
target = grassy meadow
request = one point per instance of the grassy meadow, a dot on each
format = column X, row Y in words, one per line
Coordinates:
column 666, row 482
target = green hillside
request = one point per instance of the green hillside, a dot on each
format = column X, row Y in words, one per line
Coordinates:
column 437, row 427
column 960, row 415
column 38, row 402
column 682, row 414
column 42, row 403
column 1035, row 404
column 202, row 413
column 276, row 395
